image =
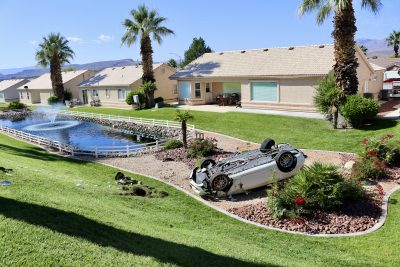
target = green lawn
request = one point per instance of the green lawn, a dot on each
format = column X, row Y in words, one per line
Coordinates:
column 46, row 220
column 3, row 106
column 301, row 132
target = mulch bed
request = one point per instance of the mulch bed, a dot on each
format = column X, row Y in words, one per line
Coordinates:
column 355, row 217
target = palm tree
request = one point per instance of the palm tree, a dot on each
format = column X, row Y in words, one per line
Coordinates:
column 148, row 88
column 183, row 117
column 364, row 49
column 145, row 23
column 394, row 40
column 346, row 64
column 54, row 51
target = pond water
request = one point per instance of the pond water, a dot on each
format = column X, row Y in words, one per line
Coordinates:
column 79, row 134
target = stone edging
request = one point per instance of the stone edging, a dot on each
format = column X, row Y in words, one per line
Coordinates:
column 378, row 225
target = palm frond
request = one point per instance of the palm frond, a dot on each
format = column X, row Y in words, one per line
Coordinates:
column 373, row 5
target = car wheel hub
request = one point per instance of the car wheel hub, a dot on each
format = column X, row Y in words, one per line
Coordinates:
column 286, row 160
column 220, row 183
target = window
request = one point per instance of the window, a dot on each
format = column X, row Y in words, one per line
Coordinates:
column 197, row 90
column 107, row 93
column 264, row 91
column 28, row 95
column 175, row 90
column 208, row 87
column 231, row 88
column 121, row 94
column 184, row 90
column 1, row 95
column 21, row 95
column 94, row 92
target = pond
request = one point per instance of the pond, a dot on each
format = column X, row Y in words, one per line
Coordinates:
column 79, row 134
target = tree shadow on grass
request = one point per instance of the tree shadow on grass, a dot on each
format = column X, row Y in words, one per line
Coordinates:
column 35, row 153
column 76, row 225
column 379, row 124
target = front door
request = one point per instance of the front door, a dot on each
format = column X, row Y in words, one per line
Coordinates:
column 209, row 94
column 84, row 97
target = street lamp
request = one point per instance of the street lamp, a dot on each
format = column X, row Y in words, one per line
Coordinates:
column 180, row 58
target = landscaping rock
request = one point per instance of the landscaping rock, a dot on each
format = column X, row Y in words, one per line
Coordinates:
column 348, row 166
column 15, row 115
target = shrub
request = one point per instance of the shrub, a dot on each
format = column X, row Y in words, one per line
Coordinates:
column 316, row 187
column 15, row 104
column 369, row 168
column 140, row 93
column 385, row 148
column 53, row 100
column 67, row 95
column 173, row 143
column 158, row 99
column 358, row 109
column 327, row 95
column 202, row 148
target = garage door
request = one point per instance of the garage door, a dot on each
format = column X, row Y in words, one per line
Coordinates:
column 264, row 91
column 184, row 90
column 230, row 88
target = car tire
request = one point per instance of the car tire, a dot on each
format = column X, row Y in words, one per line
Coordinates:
column 205, row 163
column 286, row 161
column 220, row 182
column 267, row 145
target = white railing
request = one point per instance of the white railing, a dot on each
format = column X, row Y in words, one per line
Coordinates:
column 96, row 151
column 164, row 123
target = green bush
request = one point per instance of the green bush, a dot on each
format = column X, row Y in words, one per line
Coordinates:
column 358, row 109
column 140, row 93
column 202, row 148
column 316, row 187
column 67, row 95
column 369, row 168
column 158, row 99
column 15, row 104
column 53, row 100
column 327, row 95
column 172, row 144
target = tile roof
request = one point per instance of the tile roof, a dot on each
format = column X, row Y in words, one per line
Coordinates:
column 44, row 82
column 5, row 84
column 118, row 76
column 313, row 60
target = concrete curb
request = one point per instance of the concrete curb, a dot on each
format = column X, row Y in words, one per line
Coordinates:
column 377, row 226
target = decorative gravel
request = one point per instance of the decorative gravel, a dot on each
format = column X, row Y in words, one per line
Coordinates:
column 353, row 217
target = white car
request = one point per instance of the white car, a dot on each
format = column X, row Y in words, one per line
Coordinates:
column 245, row 171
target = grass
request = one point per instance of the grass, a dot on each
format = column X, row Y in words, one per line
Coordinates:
column 3, row 106
column 47, row 220
column 300, row 132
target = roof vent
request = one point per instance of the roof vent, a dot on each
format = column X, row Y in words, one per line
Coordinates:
column 291, row 48
column 221, row 53
column 266, row 49
column 123, row 67
column 243, row 51
column 113, row 68
column 321, row 46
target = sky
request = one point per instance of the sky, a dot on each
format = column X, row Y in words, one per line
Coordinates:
column 94, row 27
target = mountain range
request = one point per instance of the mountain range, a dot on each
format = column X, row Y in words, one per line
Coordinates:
column 32, row 72
column 376, row 47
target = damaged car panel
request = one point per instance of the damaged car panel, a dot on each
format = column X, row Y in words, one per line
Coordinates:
column 245, row 171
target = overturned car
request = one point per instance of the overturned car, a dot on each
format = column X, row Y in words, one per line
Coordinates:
column 244, row 171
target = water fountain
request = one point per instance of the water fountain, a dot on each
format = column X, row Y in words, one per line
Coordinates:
column 51, row 114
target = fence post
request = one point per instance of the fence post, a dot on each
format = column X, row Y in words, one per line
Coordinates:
column 72, row 151
column 59, row 147
column 157, row 145
column 154, row 122
column 95, row 152
column 167, row 123
column 127, row 150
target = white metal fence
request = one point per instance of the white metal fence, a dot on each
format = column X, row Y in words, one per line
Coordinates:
column 96, row 151
column 154, row 122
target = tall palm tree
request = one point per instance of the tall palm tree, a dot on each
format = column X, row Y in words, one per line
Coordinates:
column 183, row 117
column 394, row 40
column 346, row 64
column 54, row 51
column 145, row 23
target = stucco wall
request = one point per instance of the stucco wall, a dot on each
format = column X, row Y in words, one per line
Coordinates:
column 11, row 93
column 72, row 85
column 166, row 88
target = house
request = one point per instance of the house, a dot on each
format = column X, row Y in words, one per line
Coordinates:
column 40, row 89
column 389, row 64
column 391, row 76
column 8, row 89
column 112, row 85
column 271, row 78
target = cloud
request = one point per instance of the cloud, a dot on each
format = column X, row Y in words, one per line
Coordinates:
column 74, row 39
column 104, row 38
column 33, row 42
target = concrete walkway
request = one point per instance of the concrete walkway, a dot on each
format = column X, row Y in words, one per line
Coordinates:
column 216, row 108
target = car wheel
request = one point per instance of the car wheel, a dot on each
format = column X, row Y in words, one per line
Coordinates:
column 286, row 161
column 207, row 163
column 267, row 145
column 220, row 182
